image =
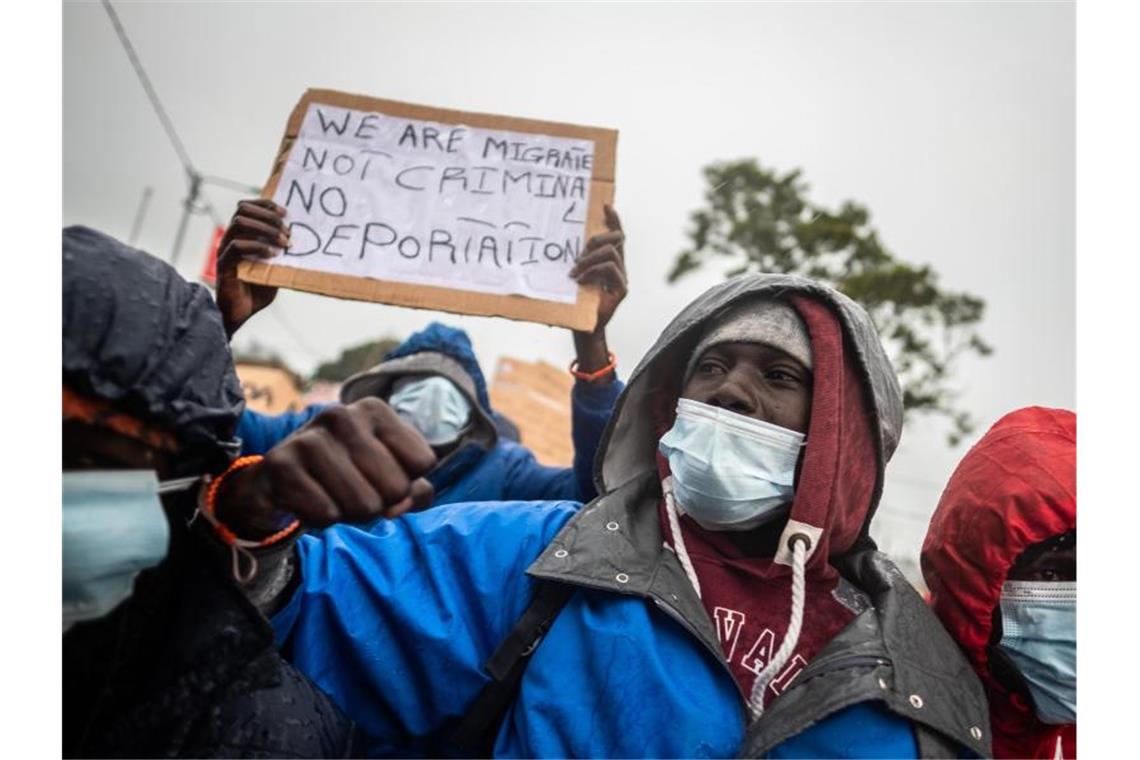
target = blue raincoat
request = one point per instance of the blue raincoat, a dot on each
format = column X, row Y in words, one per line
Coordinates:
column 395, row 625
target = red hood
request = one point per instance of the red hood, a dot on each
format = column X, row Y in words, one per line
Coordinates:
column 1016, row 487
column 838, row 487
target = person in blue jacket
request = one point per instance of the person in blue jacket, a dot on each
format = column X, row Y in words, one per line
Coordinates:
column 721, row 597
column 433, row 379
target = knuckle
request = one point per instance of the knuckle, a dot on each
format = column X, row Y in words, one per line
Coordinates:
column 279, row 463
column 332, row 417
column 375, row 408
column 305, row 443
column 339, row 415
column 427, row 462
column 394, row 490
column 372, row 502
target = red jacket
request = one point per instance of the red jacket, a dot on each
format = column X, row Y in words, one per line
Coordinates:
column 1015, row 488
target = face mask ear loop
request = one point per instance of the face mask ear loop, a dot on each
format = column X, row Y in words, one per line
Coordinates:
column 679, row 540
column 799, row 544
column 237, row 553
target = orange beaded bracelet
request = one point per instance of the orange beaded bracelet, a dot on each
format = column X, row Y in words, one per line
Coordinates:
column 590, row 377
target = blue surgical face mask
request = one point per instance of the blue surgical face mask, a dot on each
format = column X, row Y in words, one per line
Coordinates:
column 1039, row 635
column 113, row 528
column 433, row 406
column 730, row 472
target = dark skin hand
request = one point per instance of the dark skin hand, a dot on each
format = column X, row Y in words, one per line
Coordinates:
column 258, row 231
column 351, row 463
column 602, row 264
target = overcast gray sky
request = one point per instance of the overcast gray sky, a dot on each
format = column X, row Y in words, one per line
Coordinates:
column 953, row 123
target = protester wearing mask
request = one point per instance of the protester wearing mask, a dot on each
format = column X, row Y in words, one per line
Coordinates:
column 721, row 597
column 1000, row 560
column 443, row 393
column 163, row 656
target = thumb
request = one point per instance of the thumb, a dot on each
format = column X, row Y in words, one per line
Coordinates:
column 613, row 221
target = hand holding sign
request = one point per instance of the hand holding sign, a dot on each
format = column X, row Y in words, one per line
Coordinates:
column 432, row 208
column 256, row 231
column 602, row 263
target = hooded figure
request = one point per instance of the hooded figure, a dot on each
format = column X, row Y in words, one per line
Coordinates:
column 1015, row 490
column 721, row 597
column 434, row 381
column 163, row 655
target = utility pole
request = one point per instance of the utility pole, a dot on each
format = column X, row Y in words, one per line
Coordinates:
column 148, row 191
column 188, row 208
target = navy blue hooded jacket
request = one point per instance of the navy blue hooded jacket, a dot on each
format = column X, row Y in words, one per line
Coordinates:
column 485, row 466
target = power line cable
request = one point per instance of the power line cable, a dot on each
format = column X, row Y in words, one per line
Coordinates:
column 155, row 103
column 194, row 177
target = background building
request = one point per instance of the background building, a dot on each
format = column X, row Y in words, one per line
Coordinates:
column 269, row 387
column 536, row 397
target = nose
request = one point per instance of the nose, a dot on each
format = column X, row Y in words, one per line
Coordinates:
column 733, row 396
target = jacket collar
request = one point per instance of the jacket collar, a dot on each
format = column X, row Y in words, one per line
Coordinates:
column 615, row 544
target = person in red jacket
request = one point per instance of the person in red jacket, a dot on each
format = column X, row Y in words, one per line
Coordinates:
column 1000, row 558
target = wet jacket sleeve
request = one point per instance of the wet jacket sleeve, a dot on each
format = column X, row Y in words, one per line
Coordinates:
column 863, row 730
column 261, row 432
column 526, row 479
column 396, row 623
column 591, row 404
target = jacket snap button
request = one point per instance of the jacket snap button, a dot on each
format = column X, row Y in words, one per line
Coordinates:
column 975, row 732
column 561, row 553
column 611, row 525
column 622, row 578
column 882, row 684
column 916, row 700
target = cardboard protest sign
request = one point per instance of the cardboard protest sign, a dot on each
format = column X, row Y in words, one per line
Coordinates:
column 438, row 209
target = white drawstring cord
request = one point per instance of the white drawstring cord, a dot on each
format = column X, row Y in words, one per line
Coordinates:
column 239, row 549
column 678, row 539
column 799, row 544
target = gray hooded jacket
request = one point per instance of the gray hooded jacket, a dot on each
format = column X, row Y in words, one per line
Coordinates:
column 895, row 650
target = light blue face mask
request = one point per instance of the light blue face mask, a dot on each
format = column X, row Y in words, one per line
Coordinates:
column 113, row 528
column 730, row 472
column 1039, row 634
column 433, row 406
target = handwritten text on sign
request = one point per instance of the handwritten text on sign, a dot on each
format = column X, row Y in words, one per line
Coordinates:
column 420, row 202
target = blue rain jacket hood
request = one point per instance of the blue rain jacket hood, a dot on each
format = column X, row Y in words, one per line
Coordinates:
column 449, row 341
column 435, row 350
